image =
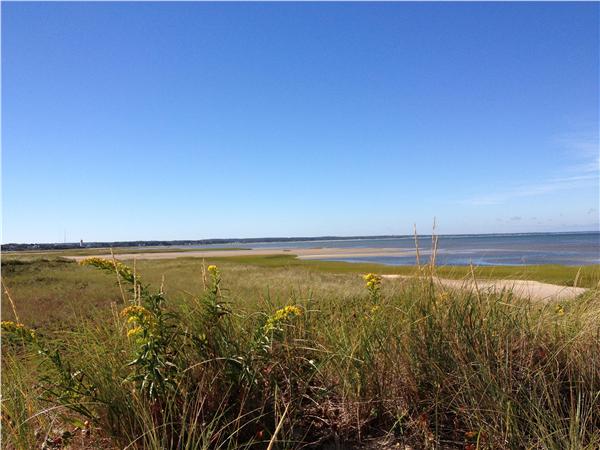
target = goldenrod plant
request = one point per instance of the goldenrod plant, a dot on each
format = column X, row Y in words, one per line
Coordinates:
column 290, row 357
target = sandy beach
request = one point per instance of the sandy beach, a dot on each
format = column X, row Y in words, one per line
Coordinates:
column 534, row 290
column 302, row 253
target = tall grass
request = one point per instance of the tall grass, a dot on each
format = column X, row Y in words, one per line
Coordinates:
column 398, row 363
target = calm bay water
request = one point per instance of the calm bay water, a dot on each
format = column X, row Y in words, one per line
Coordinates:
column 501, row 249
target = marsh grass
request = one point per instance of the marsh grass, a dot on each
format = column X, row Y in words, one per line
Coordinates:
column 268, row 354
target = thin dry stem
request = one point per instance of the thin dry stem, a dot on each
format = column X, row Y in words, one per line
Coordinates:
column 203, row 274
column 135, row 286
column 475, row 283
column 577, row 278
column 279, row 425
column 434, row 241
column 12, row 303
column 417, row 247
column 112, row 253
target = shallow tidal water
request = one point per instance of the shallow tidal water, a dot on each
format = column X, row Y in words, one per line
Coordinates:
column 571, row 249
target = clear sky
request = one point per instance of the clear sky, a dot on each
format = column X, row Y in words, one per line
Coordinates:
column 193, row 120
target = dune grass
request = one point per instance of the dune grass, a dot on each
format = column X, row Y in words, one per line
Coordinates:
column 289, row 353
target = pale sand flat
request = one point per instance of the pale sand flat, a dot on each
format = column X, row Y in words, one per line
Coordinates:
column 302, row 253
column 534, row 290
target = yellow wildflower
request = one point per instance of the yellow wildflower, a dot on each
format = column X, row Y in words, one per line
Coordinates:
column 287, row 312
column 373, row 285
column 109, row 265
column 135, row 331
column 140, row 317
column 372, row 280
column 10, row 326
column 559, row 310
column 212, row 269
column 135, row 310
column 281, row 315
column 18, row 329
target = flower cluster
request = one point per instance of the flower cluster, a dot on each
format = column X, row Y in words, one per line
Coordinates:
column 373, row 283
column 281, row 315
column 373, row 280
column 109, row 266
column 18, row 330
column 215, row 276
column 559, row 310
column 141, row 319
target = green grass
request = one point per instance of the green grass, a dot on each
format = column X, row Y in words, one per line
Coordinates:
column 583, row 276
column 410, row 364
column 60, row 289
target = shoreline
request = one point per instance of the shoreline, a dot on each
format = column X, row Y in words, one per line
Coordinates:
column 338, row 254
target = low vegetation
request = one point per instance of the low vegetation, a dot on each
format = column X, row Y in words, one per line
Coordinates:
column 272, row 353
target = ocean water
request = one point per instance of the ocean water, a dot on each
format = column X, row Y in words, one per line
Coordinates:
column 508, row 250
column 573, row 249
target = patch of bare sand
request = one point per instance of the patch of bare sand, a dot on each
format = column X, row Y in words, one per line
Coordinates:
column 534, row 290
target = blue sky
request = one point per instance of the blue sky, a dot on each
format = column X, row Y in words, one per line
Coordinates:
column 192, row 120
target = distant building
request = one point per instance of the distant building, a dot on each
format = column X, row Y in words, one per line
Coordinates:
column 81, row 243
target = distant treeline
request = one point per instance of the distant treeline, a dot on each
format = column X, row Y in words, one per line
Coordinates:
column 75, row 245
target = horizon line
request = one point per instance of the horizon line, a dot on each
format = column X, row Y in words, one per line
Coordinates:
column 283, row 238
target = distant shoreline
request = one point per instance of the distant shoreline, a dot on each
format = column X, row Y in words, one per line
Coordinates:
column 17, row 247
